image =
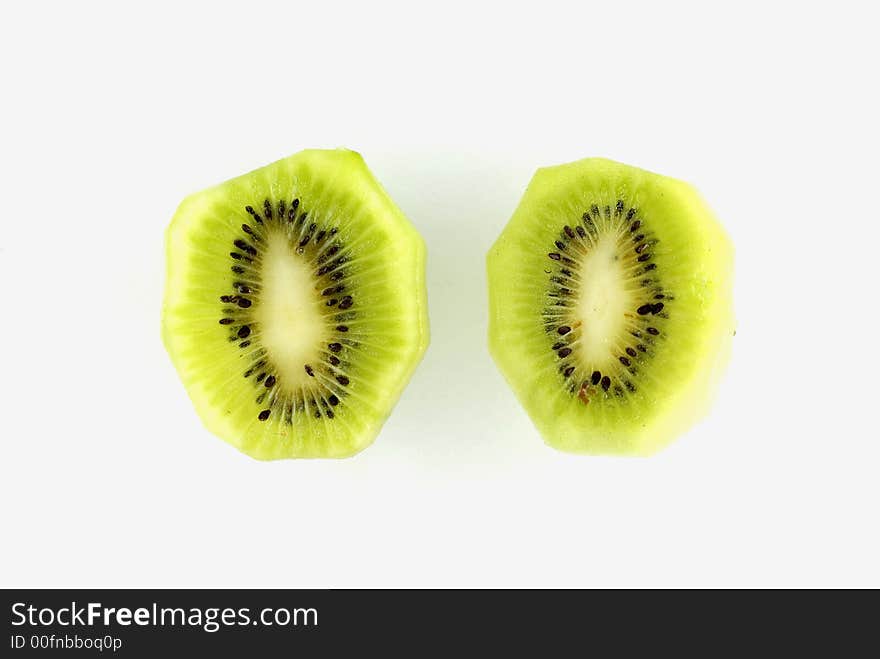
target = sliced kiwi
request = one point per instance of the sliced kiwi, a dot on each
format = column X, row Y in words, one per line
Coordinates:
column 610, row 306
column 295, row 306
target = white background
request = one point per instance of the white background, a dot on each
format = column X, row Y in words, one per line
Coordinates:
column 111, row 115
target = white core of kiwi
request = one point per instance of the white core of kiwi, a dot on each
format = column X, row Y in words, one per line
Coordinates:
column 604, row 303
column 292, row 326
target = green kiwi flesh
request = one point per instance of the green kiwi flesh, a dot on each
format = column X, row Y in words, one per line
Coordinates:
column 610, row 306
column 295, row 306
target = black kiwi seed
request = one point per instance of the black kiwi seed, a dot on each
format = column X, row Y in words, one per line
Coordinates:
column 226, row 321
column 644, row 309
column 558, row 345
column 345, row 302
column 594, row 209
column 630, row 214
column 331, row 302
column 250, row 249
column 565, row 352
column 567, row 372
column 333, row 400
column 237, row 269
column 568, row 231
column 554, row 256
column 244, row 331
column 264, row 415
column 334, row 347
column 247, row 229
column 639, row 238
column 657, row 308
column 606, row 382
column 635, row 226
column 608, row 212
column 305, row 241
column 270, row 382
column 281, row 206
column 631, row 352
column 565, row 329
column 343, row 380
column 650, row 266
column 641, row 348
column 624, row 360
column 253, row 213
column 267, row 208
column 619, row 210
column 334, row 360
column 261, row 377
column 581, row 231
column 653, row 331
column 242, row 288
column 641, row 248
column 341, row 328
column 643, row 258
column 244, row 303
column 244, row 344
column 595, row 377
column 309, row 370
column 560, row 245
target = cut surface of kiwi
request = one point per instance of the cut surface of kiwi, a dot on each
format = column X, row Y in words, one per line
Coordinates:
column 610, row 294
column 295, row 307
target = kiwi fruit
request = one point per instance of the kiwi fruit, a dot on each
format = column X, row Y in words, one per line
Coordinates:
column 610, row 294
column 295, row 306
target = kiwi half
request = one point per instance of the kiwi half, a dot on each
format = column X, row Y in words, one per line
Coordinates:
column 295, row 306
column 610, row 306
